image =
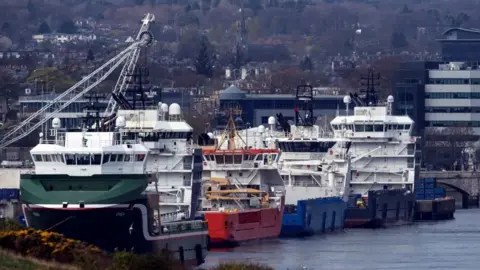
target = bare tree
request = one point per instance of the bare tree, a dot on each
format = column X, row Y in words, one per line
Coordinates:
column 445, row 147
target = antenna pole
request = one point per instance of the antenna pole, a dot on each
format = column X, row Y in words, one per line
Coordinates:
column 369, row 82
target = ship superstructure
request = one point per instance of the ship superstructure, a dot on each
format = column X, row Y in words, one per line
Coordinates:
column 243, row 193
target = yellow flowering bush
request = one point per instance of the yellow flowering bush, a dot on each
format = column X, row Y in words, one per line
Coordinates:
column 49, row 246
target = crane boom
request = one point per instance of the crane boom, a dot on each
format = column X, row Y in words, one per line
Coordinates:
column 129, row 66
column 73, row 93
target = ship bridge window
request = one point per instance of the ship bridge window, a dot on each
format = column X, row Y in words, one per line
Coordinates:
column 106, row 158
column 119, row 157
column 83, row 159
column 37, row 157
column 47, row 158
column 359, row 128
column 140, row 157
column 96, row 159
column 228, row 159
column 220, row 159
column 378, row 128
column 306, row 146
column 237, row 159
column 368, row 128
column 127, row 158
column 70, row 159
column 406, row 127
column 113, row 157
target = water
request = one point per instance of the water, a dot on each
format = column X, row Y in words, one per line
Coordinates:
column 453, row 244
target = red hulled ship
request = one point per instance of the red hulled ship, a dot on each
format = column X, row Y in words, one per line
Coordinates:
column 243, row 193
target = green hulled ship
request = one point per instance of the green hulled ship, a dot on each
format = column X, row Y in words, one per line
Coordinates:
column 92, row 186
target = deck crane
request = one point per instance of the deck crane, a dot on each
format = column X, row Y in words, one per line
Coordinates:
column 129, row 56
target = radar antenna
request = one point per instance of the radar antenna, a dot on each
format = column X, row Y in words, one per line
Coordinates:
column 304, row 102
column 89, row 82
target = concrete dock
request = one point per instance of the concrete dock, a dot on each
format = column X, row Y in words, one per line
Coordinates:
column 438, row 209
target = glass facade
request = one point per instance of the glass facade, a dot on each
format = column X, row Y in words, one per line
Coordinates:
column 452, row 123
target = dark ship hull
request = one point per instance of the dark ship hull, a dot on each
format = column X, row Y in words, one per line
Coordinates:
column 382, row 208
column 120, row 227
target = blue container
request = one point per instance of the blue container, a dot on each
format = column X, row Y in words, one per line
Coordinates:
column 9, row 194
column 420, row 185
column 439, row 190
column 437, row 196
column 420, row 191
column 429, row 196
column 430, row 185
column 420, row 197
column 429, row 191
column 421, row 180
column 430, row 180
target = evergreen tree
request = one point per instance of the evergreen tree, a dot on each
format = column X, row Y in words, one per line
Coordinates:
column 68, row 27
column 6, row 29
column 238, row 58
column 306, row 64
column 139, row 2
column 399, row 40
column 204, row 63
column 31, row 9
column 44, row 28
column 90, row 56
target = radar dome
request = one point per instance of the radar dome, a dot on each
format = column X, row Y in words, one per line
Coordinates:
column 160, row 104
column 56, row 123
column 390, row 99
column 164, row 107
column 174, row 109
column 261, row 129
column 210, row 135
column 40, row 135
column 120, row 122
column 271, row 120
column 347, row 99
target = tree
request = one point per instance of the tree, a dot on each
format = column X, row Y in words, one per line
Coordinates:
column 139, row 2
column 8, row 87
column 399, row 40
column 44, row 28
column 6, row 29
column 68, row 27
column 306, row 64
column 90, row 56
column 204, row 63
column 31, row 9
column 445, row 147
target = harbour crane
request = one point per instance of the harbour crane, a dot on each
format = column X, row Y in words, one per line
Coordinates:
column 128, row 56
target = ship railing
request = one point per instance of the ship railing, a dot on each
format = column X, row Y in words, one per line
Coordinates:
column 100, row 143
column 184, row 226
column 169, row 199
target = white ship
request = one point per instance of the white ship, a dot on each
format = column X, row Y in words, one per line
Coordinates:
column 384, row 167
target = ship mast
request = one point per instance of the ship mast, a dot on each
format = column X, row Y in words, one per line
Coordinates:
column 231, row 132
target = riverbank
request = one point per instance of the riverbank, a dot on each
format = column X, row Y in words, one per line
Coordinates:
column 22, row 248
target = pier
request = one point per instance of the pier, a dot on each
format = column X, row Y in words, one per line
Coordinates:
column 462, row 185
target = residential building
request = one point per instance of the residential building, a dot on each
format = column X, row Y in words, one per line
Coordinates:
column 460, row 44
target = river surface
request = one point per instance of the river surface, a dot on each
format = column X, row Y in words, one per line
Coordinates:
column 453, row 244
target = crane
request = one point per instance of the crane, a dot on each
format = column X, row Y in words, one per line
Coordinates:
column 128, row 56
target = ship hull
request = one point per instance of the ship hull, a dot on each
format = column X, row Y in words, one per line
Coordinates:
column 116, row 227
column 384, row 208
column 314, row 216
column 233, row 228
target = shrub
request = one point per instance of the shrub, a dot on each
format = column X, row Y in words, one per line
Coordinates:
column 7, row 224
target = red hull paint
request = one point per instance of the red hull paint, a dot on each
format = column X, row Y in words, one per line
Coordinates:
column 355, row 223
column 235, row 227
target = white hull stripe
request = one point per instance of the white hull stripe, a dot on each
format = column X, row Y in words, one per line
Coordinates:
column 141, row 207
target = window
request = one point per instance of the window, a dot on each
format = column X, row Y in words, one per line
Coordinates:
column 140, row 157
column 37, row 157
column 70, row 159
column 119, row 158
column 127, row 158
column 113, row 158
column 106, row 158
column 83, row 159
column 96, row 159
